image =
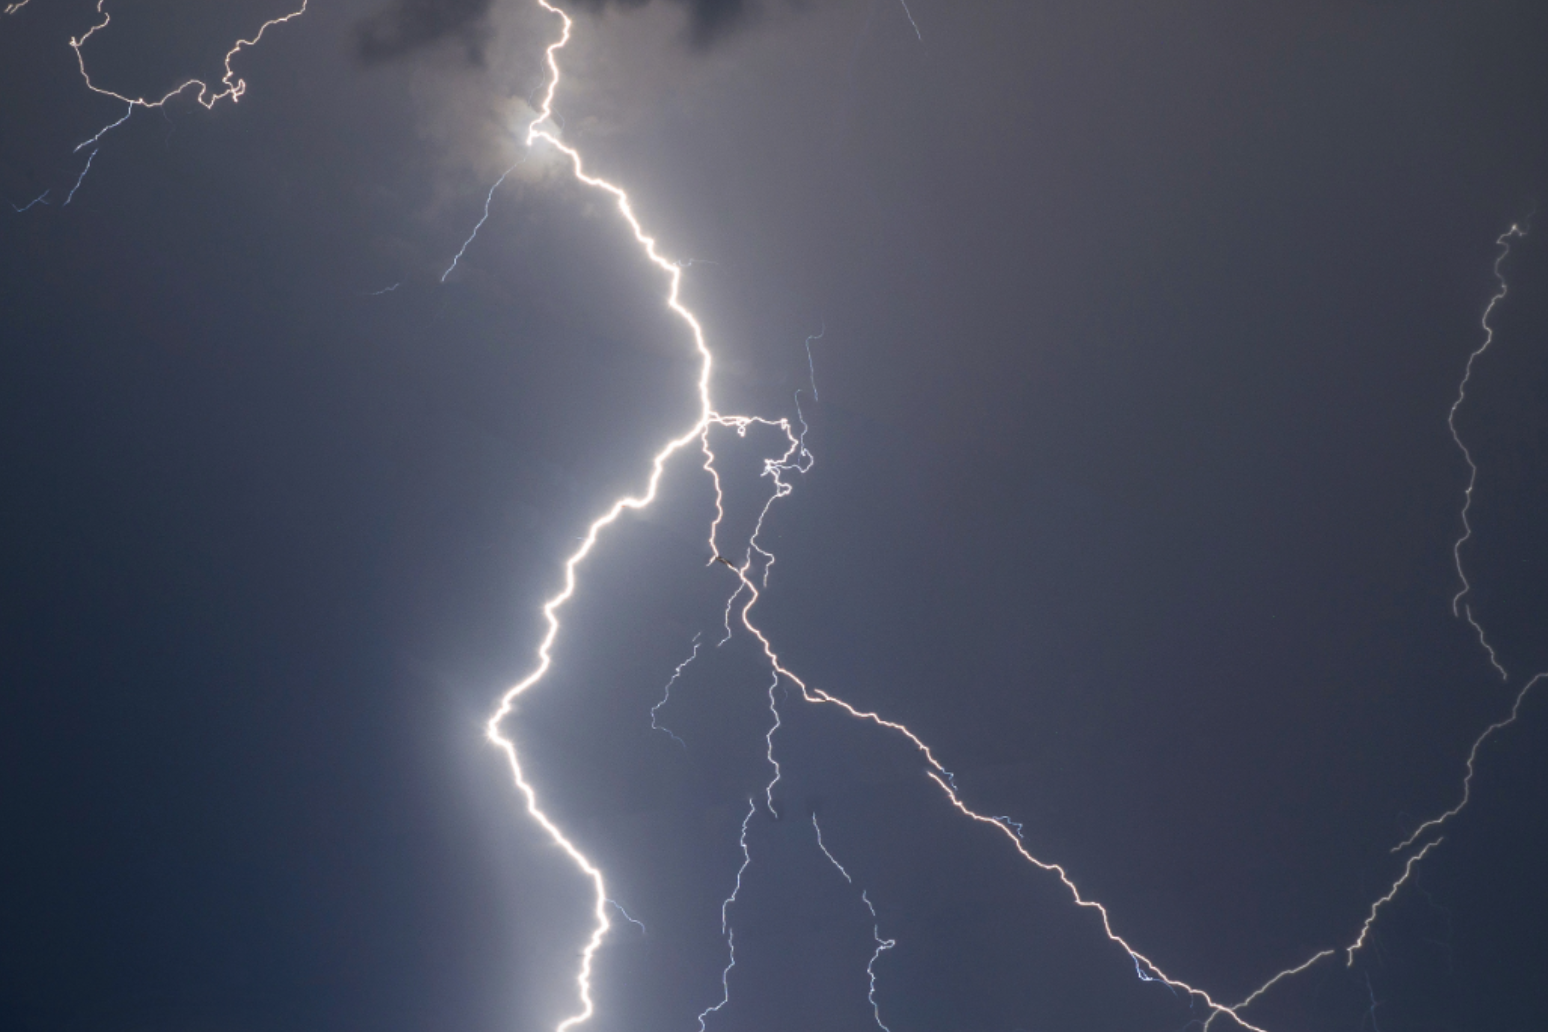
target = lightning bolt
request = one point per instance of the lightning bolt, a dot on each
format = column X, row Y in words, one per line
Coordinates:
column 1503, row 242
column 39, row 199
column 811, row 365
column 666, row 693
column 488, row 199
column 79, row 179
column 229, row 86
column 754, row 571
column 1370, row 919
column 797, row 459
column 1472, row 760
column 1457, row 608
column 628, row 917
column 726, row 930
column 882, row 945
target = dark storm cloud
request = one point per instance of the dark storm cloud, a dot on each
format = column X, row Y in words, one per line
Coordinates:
column 708, row 19
column 409, row 25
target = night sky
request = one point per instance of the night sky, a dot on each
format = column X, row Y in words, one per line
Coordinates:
column 1133, row 496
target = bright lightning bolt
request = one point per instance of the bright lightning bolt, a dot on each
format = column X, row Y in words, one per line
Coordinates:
column 796, row 458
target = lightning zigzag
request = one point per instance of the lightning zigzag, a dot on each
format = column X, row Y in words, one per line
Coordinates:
column 754, row 570
column 795, row 459
column 228, row 87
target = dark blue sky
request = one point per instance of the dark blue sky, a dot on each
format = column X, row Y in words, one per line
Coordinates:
column 1133, row 496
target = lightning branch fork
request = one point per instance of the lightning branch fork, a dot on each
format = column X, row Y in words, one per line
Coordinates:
column 751, row 575
column 229, row 87
column 543, row 130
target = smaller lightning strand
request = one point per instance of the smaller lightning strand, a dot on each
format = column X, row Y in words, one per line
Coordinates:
column 794, row 459
column 912, row 23
column 1370, row 919
column 629, row 917
column 92, row 143
column 230, row 86
column 1472, row 759
column 882, row 945
column 798, row 459
column 1265, row 987
column 1370, row 991
column 1503, row 241
column 488, row 199
column 937, row 772
column 811, row 365
column 1516, row 231
column 725, row 921
column 39, row 199
column 79, row 179
column 666, row 693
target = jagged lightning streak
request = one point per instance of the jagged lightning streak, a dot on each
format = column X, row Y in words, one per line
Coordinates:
column 1516, row 231
column 912, row 23
column 39, row 199
column 543, row 127
column 726, row 930
column 811, row 365
column 1370, row 919
column 666, row 693
column 229, row 86
column 1145, row 968
column 1370, row 991
column 629, row 917
column 92, row 143
column 882, row 945
column 942, row 777
column 1472, row 759
column 488, row 199
column 79, row 179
